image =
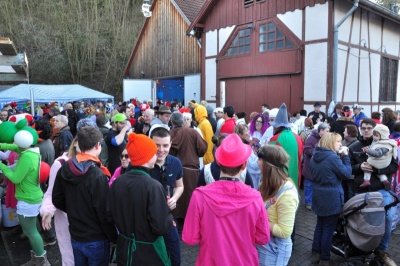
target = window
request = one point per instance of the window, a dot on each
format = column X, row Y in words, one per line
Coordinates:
column 271, row 38
column 248, row 2
column 241, row 43
column 388, row 80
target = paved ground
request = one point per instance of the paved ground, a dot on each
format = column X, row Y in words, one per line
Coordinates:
column 16, row 252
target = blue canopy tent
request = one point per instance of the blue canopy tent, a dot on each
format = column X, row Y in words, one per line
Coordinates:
column 51, row 93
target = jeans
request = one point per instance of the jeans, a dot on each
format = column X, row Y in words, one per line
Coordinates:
column 348, row 189
column 276, row 252
column 171, row 240
column 308, row 189
column 323, row 235
column 95, row 253
column 387, row 199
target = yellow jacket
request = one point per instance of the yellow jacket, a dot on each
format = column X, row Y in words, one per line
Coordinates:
column 200, row 113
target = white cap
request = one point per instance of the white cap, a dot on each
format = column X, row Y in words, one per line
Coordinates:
column 158, row 126
column 357, row 106
column 273, row 112
column 218, row 109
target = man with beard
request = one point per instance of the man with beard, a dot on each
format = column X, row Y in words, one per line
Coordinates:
column 188, row 146
column 116, row 141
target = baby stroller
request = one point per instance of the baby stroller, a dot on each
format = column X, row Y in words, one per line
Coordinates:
column 360, row 228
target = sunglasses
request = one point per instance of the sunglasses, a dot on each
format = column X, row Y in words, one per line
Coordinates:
column 126, row 156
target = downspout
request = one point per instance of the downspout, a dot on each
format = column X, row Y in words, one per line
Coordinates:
column 335, row 49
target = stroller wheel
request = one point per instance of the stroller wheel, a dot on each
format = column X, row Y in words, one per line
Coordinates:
column 375, row 262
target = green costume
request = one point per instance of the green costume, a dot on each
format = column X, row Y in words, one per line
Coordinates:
column 288, row 142
column 25, row 175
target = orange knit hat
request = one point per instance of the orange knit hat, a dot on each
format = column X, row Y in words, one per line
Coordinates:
column 140, row 149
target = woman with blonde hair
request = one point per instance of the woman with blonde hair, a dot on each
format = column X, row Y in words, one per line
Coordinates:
column 329, row 166
column 48, row 210
column 281, row 200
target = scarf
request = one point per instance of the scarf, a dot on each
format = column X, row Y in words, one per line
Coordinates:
column 82, row 157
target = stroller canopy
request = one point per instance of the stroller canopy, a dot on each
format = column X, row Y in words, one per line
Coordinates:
column 365, row 227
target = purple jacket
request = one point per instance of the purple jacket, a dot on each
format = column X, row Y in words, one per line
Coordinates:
column 309, row 147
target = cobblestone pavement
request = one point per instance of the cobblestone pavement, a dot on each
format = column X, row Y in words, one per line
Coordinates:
column 305, row 223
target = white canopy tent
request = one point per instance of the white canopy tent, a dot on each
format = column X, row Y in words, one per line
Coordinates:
column 51, row 93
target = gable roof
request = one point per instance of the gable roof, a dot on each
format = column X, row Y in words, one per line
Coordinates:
column 186, row 8
column 380, row 10
column 190, row 8
column 207, row 8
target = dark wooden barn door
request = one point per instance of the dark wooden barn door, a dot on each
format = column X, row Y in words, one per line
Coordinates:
column 248, row 94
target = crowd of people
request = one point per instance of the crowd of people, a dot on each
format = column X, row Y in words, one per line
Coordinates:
column 127, row 179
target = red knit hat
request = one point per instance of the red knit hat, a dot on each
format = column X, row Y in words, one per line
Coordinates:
column 140, row 149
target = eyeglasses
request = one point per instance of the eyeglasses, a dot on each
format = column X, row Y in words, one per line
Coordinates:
column 126, row 156
column 367, row 128
column 260, row 122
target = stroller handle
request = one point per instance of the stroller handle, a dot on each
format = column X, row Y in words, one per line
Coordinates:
column 394, row 203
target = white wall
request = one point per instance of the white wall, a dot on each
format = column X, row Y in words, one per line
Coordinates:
column 294, row 21
column 391, row 37
column 223, row 36
column 375, row 28
column 215, row 40
column 211, row 79
column 316, row 22
column 192, row 88
column 211, row 43
column 315, row 71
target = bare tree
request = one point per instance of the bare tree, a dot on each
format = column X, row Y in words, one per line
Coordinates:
column 75, row 41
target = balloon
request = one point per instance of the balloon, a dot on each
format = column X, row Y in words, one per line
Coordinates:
column 44, row 172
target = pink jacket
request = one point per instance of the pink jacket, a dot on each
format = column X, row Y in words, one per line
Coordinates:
column 227, row 218
column 60, row 217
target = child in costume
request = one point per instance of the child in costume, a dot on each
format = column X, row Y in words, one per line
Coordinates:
column 25, row 176
column 380, row 154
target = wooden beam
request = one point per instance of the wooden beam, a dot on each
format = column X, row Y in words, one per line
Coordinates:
column 20, row 69
column 13, row 77
column 13, row 60
column 7, row 47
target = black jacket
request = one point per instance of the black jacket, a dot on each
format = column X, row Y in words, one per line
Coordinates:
column 138, row 205
column 357, row 157
column 81, row 190
column 339, row 125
